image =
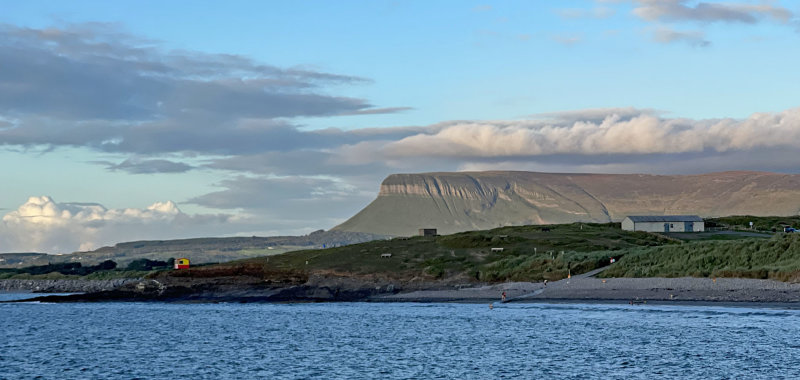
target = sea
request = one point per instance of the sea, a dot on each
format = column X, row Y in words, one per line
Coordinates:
column 395, row 341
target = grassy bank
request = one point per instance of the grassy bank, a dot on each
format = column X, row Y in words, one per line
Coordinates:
column 523, row 253
column 776, row 258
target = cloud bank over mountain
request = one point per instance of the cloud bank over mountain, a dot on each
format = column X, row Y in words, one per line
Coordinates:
column 615, row 134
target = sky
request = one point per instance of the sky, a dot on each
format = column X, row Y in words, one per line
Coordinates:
column 132, row 120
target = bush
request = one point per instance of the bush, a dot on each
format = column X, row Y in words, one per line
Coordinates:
column 76, row 269
column 777, row 258
column 147, row 265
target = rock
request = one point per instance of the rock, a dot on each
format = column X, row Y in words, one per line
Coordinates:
column 63, row 286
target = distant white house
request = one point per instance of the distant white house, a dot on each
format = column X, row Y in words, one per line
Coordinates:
column 664, row 223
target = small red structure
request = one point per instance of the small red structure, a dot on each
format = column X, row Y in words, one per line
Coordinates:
column 182, row 263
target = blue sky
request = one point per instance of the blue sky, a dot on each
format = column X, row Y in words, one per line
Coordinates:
column 473, row 60
column 266, row 117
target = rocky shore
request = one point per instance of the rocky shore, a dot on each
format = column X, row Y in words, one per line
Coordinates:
column 62, row 286
column 343, row 289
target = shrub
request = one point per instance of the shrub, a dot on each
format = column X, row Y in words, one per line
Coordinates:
column 147, row 265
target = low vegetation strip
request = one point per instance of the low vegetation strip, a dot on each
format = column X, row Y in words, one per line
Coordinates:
column 107, row 270
column 539, row 268
column 520, row 253
column 760, row 223
column 775, row 258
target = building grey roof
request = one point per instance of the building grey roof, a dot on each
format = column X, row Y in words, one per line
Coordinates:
column 665, row 218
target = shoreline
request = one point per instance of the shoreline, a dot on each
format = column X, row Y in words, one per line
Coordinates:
column 618, row 302
column 651, row 291
column 545, row 301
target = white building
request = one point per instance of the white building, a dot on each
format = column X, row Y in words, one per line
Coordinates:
column 664, row 223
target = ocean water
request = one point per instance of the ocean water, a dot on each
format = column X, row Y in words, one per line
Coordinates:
column 395, row 341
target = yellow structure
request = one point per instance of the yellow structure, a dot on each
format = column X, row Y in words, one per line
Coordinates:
column 182, row 263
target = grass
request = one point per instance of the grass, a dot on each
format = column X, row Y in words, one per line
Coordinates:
column 718, row 235
column 538, row 267
column 760, row 223
column 101, row 275
column 529, row 254
column 775, row 258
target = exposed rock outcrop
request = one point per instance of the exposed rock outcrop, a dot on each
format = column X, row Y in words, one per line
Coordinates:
column 63, row 286
column 222, row 285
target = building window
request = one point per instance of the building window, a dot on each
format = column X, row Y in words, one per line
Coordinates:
column 671, row 226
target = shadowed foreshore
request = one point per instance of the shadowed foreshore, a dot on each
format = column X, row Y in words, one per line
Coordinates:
column 576, row 289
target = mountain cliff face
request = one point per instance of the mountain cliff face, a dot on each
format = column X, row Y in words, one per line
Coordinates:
column 453, row 202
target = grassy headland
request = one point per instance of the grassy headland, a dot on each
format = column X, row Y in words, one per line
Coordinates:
column 529, row 253
column 520, row 253
column 440, row 264
column 536, row 253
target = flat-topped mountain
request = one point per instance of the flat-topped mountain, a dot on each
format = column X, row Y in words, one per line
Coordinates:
column 462, row 201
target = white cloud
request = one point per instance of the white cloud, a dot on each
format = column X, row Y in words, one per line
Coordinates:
column 137, row 97
column 706, row 11
column 41, row 224
column 615, row 134
column 694, row 38
column 567, row 39
column 666, row 14
column 44, row 211
column 577, row 13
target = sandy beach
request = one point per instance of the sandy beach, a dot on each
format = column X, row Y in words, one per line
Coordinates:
column 678, row 290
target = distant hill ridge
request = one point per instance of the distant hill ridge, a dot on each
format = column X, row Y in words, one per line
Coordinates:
column 462, row 201
column 199, row 250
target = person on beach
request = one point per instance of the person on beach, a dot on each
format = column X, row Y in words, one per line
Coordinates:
column 504, row 296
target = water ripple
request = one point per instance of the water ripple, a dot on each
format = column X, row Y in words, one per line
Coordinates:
column 394, row 341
